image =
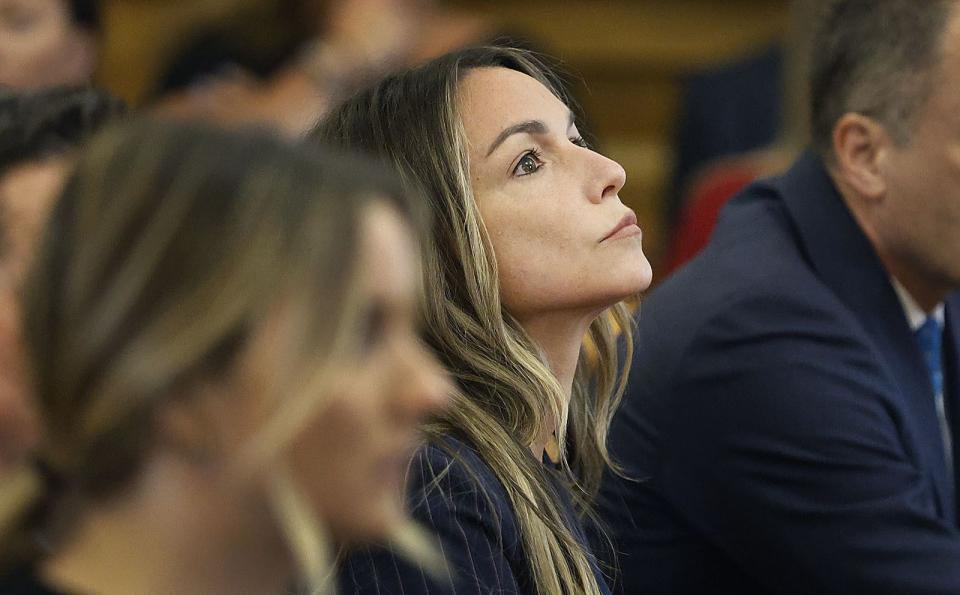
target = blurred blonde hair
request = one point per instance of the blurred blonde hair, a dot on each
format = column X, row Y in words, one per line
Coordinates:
column 171, row 244
column 507, row 395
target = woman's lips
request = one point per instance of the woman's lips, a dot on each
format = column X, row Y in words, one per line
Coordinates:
column 625, row 228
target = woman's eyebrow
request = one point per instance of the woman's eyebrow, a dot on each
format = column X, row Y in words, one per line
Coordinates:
column 528, row 127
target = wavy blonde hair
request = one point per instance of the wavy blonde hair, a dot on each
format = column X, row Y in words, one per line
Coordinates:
column 507, row 394
column 169, row 247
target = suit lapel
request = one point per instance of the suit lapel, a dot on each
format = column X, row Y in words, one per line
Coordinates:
column 951, row 378
column 845, row 261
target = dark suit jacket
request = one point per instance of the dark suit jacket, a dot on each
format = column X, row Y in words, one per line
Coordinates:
column 783, row 419
column 456, row 496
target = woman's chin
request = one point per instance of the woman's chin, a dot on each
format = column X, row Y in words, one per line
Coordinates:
column 631, row 281
column 643, row 276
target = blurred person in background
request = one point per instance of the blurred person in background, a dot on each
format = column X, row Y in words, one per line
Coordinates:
column 707, row 185
column 40, row 133
column 222, row 330
column 47, row 43
column 531, row 252
column 284, row 63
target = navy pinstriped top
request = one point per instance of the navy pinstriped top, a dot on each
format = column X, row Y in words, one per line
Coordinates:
column 460, row 500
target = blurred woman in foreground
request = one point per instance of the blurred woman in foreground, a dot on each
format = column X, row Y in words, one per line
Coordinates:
column 222, row 330
column 530, row 252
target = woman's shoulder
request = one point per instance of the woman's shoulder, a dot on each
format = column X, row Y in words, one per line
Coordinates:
column 452, row 456
column 448, row 473
column 455, row 496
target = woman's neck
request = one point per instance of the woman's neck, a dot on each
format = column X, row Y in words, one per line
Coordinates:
column 559, row 336
column 170, row 534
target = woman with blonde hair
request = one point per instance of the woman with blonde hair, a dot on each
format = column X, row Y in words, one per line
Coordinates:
column 227, row 370
column 531, row 251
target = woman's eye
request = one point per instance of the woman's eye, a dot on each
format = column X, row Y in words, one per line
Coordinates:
column 528, row 164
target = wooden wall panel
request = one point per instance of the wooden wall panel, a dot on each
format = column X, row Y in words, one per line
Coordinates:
column 141, row 35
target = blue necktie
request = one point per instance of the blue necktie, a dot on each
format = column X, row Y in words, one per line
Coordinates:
column 930, row 338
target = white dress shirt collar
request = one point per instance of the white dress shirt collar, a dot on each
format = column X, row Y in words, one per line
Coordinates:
column 916, row 316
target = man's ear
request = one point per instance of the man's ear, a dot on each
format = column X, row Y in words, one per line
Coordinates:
column 860, row 146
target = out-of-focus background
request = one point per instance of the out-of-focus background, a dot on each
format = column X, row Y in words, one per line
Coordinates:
column 668, row 86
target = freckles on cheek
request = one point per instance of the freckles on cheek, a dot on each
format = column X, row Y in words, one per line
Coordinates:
column 533, row 250
column 536, row 276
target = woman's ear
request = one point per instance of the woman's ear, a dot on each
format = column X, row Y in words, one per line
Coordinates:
column 193, row 423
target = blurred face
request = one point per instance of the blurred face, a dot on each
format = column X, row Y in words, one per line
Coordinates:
column 351, row 461
column 561, row 236
column 40, row 46
column 920, row 225
column 27, row 193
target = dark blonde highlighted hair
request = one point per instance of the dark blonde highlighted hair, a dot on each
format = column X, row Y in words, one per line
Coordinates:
column 169, row 246
column 507, row 395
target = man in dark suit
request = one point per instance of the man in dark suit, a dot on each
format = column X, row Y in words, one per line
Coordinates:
column 793, row 410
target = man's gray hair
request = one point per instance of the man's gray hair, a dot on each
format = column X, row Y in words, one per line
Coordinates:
column 877, row 58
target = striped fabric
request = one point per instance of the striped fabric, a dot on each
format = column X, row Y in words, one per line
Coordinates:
column 456, row 496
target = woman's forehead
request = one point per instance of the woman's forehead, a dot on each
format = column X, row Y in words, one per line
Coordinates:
column 493, row 98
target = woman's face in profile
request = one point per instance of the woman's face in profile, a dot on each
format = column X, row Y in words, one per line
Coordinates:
column 562, row 238
column 351, row 461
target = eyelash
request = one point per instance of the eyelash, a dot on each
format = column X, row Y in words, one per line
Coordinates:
column 537, row 156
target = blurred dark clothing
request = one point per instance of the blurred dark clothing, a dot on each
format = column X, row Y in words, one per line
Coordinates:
column 257, row 42
column 729, row 110
column 24, row 581
column 458, row 499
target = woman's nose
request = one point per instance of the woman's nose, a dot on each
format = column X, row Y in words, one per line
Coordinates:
column 609, row 178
